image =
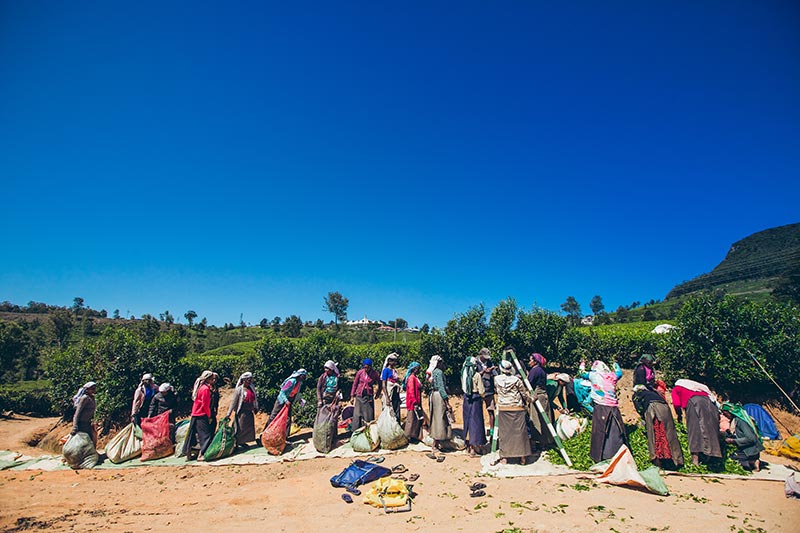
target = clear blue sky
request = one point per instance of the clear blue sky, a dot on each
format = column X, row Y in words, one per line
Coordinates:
column 419, row 157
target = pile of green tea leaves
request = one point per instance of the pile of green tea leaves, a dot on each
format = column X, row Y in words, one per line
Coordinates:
column 578, row 451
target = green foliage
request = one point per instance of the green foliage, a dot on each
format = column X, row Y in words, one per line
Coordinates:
column 27, row 397
column 623, row 343
column 337, row 304
column 17, row 356
column 542, row 332
column 716, row 337
column 116, row 361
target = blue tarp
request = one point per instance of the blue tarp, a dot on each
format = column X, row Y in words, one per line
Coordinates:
column 765, row 423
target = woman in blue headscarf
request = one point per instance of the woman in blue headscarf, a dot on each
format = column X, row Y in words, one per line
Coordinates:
column 415, row 416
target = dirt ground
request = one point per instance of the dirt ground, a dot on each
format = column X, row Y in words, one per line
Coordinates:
column 297, row 496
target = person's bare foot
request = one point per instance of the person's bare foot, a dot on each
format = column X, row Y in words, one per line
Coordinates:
column 523, row 460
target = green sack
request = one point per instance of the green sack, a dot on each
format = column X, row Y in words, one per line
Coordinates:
column 181, row 432
column 223, row 443
column 365, row 438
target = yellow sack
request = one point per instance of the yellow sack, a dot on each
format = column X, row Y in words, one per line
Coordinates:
column 788, row 448
column 387, row 492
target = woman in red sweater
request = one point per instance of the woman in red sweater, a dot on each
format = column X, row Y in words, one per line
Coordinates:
column 200, row 426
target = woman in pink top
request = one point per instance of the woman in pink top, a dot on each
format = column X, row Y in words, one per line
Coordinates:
column 200, row 425
column 702, row 421
column 414, row 415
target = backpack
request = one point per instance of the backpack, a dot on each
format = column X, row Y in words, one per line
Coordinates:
column 358, row 473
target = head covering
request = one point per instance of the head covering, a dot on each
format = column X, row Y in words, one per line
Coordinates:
column 300, row 372
column 147, row 377
column 563, row 377
column 539, row 358
column 82, row 391
column 246, row 375
column 506, row 367
column 164, row 387
column 199, row 381
column 391, row 357
column 484, row 353
column 646, row 358
column 411, row 368
column 367, row 362
column 432, row 366
column 331, row 365
column 600, row 367
column 738, row 411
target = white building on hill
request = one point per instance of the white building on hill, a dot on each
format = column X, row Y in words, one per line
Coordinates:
column 363, row 322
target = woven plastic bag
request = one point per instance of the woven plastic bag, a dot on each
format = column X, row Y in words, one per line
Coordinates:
column 365, row 438
column 156, row 442
column 181, row 432
column 567, row 426
column 387, row 492
column 223, row 443
column 390, row 432
column 79, row 451
column 126, row 445
column 273, row 437
column 621, row 470
column 325, row 429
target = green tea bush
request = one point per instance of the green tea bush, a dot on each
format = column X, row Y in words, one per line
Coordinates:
column 27, row 397
column 714, row 340
column 116, row 361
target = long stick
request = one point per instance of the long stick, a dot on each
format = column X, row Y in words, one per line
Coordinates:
column 775, row 382
column 541, row 410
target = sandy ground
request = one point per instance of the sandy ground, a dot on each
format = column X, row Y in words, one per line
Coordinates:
column 297, row 496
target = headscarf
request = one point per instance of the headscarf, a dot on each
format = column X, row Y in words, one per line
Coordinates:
column 390, row 357
column 331, row 365
column 563, row 377
column 411, row 368
column 203, row 377
column 432, row 366
column 506, row 367
column 484, row 353
column 246, row 375
column 738, row 411
column 467, row 373
column 164, row 387
column 147, row 377
column 82, row 391
column 366, row 362
column 539, row 358
column 299, row 372
column 646, row 358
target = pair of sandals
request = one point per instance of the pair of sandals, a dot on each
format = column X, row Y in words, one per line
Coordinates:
column 477, row 490
column 377, row 459
column 411, row 477
column 437, row 458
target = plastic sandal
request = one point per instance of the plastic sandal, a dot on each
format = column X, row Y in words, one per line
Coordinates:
column 431, row 456
column 401, row 477
column 376, row 459
column 353, row 490
column 413, row 477
column 399, row 469
column 477, row 486
column 346, row 497
column 440, row 459
column 477, row 494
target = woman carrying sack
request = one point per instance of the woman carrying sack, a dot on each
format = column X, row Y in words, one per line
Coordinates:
column 244, row 405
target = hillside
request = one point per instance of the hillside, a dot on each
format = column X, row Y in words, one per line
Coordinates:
column 752, row 266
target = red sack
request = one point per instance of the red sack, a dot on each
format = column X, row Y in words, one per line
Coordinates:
column 273, row 438
column 156, row 442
